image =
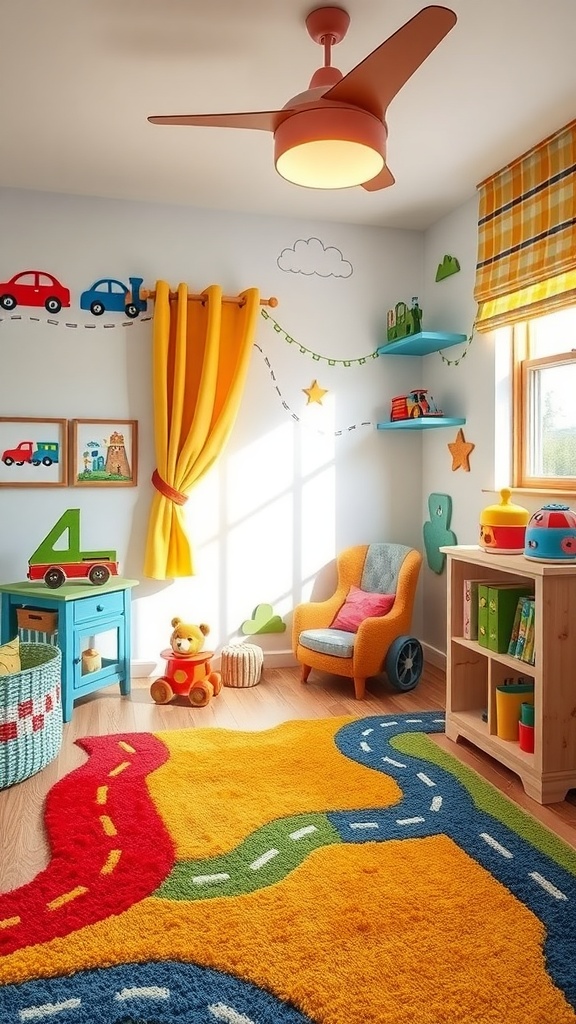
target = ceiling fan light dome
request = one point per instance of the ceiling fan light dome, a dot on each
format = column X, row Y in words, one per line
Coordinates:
column 330, row 147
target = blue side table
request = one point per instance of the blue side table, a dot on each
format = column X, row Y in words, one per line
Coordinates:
column 84, row 612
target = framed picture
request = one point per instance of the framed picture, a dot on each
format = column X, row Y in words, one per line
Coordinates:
column 33, row 452
column 103, row 453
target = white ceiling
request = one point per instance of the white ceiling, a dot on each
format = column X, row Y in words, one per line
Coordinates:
column 79, row 77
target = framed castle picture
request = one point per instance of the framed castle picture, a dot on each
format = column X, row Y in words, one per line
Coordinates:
column 103, row 453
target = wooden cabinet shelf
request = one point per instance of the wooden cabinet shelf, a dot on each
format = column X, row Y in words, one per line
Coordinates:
column 474, row 672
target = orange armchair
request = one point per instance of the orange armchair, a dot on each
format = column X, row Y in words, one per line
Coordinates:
column 381, row 642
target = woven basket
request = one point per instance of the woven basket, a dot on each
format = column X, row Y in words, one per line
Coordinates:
column 241, row 665
column 30, row 714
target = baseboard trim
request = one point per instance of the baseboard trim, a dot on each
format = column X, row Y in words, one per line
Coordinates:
column 272, row 659
column 275, row 659
column 434, row 656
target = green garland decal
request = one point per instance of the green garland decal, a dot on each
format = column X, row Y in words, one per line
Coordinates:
column 316, row 355
column 455, row 362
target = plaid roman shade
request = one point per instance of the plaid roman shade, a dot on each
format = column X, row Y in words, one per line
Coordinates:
column 526, row 263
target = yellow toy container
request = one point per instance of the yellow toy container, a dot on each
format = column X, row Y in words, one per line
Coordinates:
column 503, row 526
column 509, row 700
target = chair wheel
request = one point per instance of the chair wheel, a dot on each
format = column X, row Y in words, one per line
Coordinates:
column 404, row 663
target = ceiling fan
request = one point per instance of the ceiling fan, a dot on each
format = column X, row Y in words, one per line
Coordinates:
column 334, row 134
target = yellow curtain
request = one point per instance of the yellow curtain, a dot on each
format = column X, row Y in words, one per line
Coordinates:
column 200, row 361
column 526, row 262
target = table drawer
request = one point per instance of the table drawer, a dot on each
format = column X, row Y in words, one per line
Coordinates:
column 100, row 606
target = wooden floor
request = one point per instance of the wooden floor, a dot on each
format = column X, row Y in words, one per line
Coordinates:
column 279, row 697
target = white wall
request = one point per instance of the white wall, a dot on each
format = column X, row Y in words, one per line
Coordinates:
column 287, row 495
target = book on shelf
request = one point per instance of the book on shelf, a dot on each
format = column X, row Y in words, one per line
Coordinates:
column 515, row 627
column 523, row 627
column 497, row 604
column 527, row 654
column 470, row 608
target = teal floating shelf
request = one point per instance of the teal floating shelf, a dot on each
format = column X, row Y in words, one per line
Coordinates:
column 421, row 344
column 422, row 423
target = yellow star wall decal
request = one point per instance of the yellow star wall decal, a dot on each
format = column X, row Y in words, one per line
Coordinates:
column 460, row 451
column 315, row 393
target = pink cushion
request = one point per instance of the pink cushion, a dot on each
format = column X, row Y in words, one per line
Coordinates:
column 360, row 605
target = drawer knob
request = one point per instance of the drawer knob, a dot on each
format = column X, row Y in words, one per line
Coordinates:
column 99, row 607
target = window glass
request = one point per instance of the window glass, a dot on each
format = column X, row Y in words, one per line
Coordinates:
column 552, row 334
column 544, row 401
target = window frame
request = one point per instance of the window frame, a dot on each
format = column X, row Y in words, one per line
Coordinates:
column 522, row 366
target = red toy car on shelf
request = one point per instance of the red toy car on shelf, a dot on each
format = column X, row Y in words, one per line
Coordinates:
column 95, row 570
column 413, row 405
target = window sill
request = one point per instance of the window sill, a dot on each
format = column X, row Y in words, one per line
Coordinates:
column 538, row 491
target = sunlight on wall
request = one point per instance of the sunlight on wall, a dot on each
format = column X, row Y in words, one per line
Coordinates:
column 262, row 523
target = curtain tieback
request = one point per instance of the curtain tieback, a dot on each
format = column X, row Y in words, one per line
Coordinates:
column 168, row 492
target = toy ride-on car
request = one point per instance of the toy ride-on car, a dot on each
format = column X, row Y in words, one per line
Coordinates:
column 187, row 676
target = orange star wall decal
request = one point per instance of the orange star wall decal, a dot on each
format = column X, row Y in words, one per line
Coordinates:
column 460, row 450
column 315, row 392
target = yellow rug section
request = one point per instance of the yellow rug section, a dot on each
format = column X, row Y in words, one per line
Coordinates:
column 410, row 914
column 232, row 784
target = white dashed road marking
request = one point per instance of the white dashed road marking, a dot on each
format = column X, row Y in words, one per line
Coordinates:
column 48, row 1009
column 229, row 1015
column 556, row 893
column 143, row 992
column 261, row 861
column 495, row 845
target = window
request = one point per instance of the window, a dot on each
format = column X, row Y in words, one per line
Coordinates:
column 544, row 402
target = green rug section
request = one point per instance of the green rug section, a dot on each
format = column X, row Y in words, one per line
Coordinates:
column 487, row 798
column 263, row 858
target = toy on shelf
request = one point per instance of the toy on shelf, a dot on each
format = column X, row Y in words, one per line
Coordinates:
column 57, row 565
column 188, row 670
column 503, row 526
column 403, row 322
column 412, row 406
column 551, row 534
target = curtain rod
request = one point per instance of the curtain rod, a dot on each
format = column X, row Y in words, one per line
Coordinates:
column 272, row 301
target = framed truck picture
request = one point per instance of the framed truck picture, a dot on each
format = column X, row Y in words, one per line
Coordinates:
column 33, row 452
column 103, row 453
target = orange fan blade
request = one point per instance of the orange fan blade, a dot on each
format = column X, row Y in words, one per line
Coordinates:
column 374, row 82
column 382, row 180
column 265, row 120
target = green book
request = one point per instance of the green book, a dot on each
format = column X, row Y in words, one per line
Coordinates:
column 483, row 614
column 502, row 603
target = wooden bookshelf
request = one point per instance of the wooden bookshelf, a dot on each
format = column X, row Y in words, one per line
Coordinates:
column 473, row 672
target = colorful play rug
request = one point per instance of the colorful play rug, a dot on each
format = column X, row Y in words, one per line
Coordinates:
column 339, row 871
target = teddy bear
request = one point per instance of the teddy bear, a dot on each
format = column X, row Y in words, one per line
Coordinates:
column 187, row 639
column 188, row 670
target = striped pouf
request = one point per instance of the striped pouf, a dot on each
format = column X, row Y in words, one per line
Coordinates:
column 241, row 665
